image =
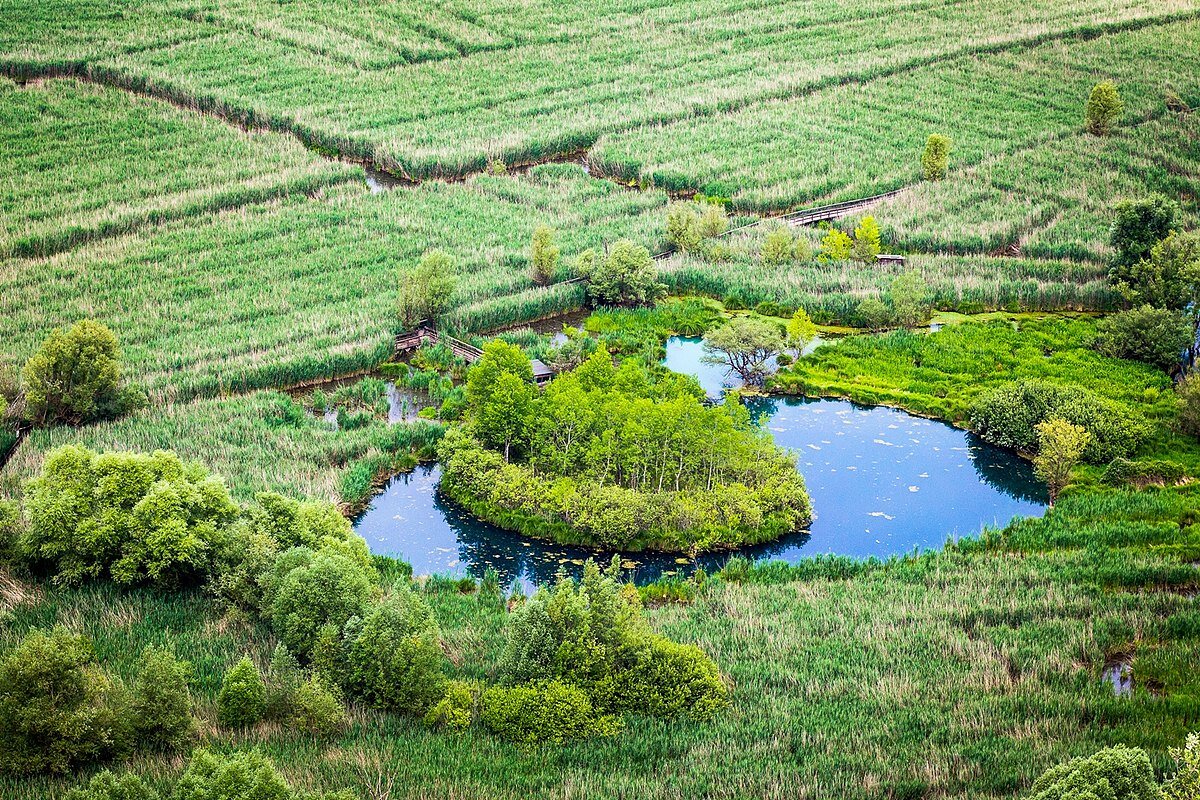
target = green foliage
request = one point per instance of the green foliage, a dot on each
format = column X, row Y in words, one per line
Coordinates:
column 131, row 517
column 598, row 469
column 592, row 634
column 107, row 786
column 779, row 246
column 1115, row 773
column 161, row 707
column 1188, row 392
column 295, row 523
column 745, row 345
column 1156, row 472
column 683, row 226
column 714, row 220
column 316, row 590
column 458, row 707
column 1184, row 784
column 547, row 713
column 1009, row 416
column 801, row 330
column 1104, row 108
column 1137, row 226
column 1060, row 446
column 315, row 709
column 836, row 246
column 395, row 657
column 1169, row 278
column 244, row 775
column 57, row 710
column 909, row 295
column 866, row 241
column 543, row 258
column 626, row 276
column 874, row 314
column 76, row 377
column 243, row 698
column 1156, row 336
column 935, row 160
column 426, row 291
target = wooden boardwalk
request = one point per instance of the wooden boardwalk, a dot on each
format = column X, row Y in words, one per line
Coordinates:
column 425, row 334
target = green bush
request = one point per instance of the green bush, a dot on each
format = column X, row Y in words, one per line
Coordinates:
column 1155, row 336
column 1104, row 108
column 319, row 589
column 161, row 703
column 316, row 709
column 243, row 698
column 1115, row 773
column 75, row 376
column 395, row 657
column 457, row 709
column 294, row 523
column 1122, row 472
column 239, row 776
column 667, row 679
column 936, row 158
column 1188, row 392
column 627, row 276
column 57, row 710
column 107, row 786
column 1008, row 416
column 531, row 647
column 128, row 516
column 546, row 713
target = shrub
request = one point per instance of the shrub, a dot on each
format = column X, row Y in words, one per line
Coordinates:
column 243, row 698
column 1155, row 336
column 138, row 518
column 1138, row 225
column 107, row 786
column 239, row 776
column 1104, row 107
column 1188, row 392
column 316, row 709
column 543, row 258
column 779, row 246
column 936, row 158
column 427, row 290
column 714, row 221
column 552, row 712
column 57, row 710
column 75, row 376
column 10, row 531
column 457, row 708
column 909, row 294
column 1115, row 773
column 626, row 277
column 1122, row 472
column 873, row 314
column 1008, row 416
column 395, row 658
column 1060, row 445
column 1185, row 783
column 866, row 241
column 319, row 589
column 531, row 647
column 293, row 523
column 683, row 226
column 836, row 246
column 667, row 679
column 161, row 703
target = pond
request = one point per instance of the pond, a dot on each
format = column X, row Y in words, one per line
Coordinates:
column 882, row 483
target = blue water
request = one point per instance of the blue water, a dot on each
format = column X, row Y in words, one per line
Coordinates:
column 882, row 482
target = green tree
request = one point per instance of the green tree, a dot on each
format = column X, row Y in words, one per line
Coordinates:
column 683, row 227
column 1156, row 336
column 505, row 420
column 553, row 712
column 1115, row 773
column 161, row 703
column 936, row 158
column 873, row 314
column 107, row 786
column 243, row 698
column 427, row 290
column 836, row 246
column 1137, row 226
column 395, row 657
column 1169, row 278
column 315, row 709
column 714, row 221
column 745, row 345
column 1185, row 783
column 75, row 376
column 1104, row 108
column 135, row 517
column 543, row 257
column 626, row 277
column 323, row 590
column 57, row 710
column 866, row 241
column 1060, row 446
column 779, row 246
column 909, row 295
column 1188, row 392
column 801, row 331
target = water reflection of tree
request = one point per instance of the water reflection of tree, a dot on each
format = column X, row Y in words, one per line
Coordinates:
column 1005, row 471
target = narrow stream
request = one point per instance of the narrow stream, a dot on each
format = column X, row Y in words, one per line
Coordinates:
column 882, row 482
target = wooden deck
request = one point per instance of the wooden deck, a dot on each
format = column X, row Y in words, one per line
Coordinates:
column 412, row 340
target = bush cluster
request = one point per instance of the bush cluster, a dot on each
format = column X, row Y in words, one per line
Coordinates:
column 1123, row 472
column 1008, row 416
column 59, row 710
column 1156, row 336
